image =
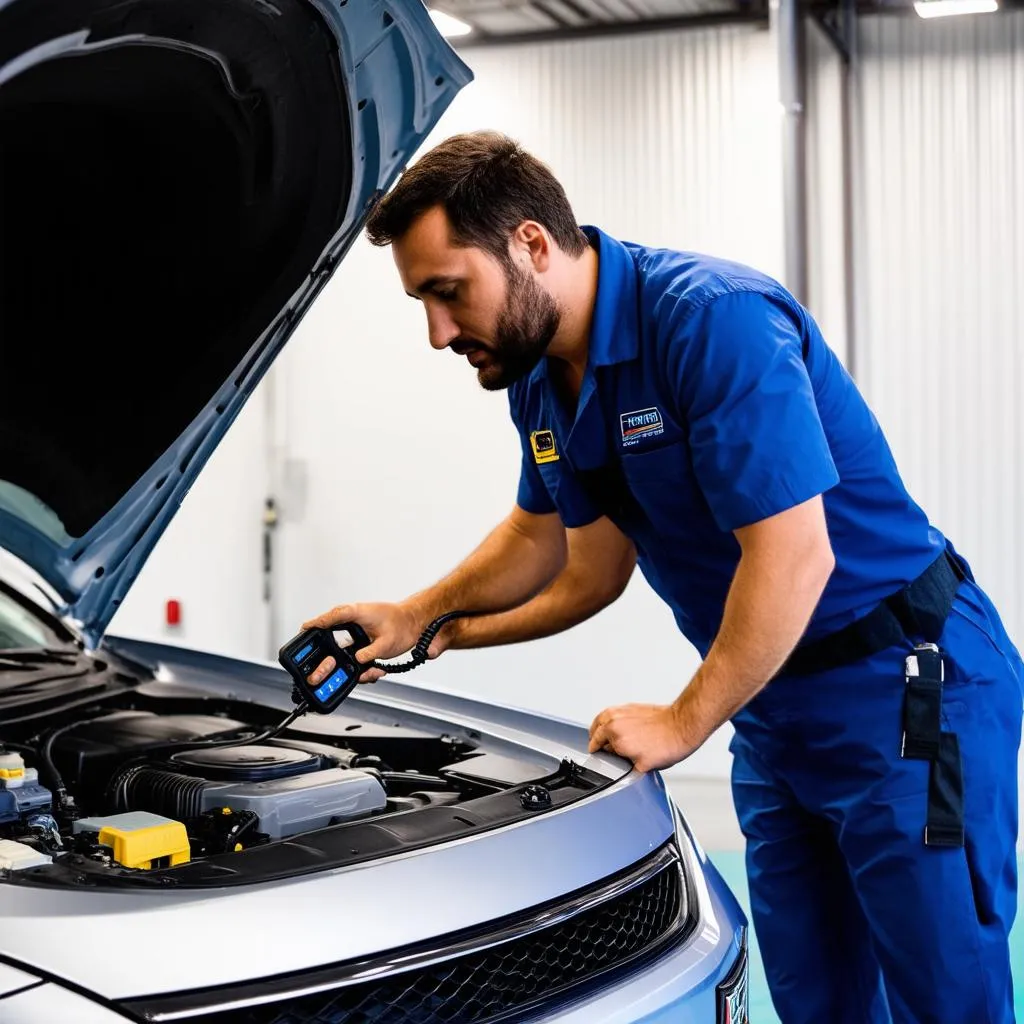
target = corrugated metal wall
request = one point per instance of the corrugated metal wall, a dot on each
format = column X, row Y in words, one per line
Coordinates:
column 668, row 138
column 940, row 302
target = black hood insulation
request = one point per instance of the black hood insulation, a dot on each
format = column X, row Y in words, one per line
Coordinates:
column 169, row 176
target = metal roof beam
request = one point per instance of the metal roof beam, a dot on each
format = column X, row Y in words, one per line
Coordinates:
column 756, row 13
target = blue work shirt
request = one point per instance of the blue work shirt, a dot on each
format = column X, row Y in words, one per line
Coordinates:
column 710, row 401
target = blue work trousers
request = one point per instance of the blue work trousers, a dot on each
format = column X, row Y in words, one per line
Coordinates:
column 857, row 919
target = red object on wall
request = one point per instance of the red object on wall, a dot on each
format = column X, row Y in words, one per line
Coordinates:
column 173, row 612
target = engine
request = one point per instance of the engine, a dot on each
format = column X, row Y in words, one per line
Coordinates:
column 288, row 790
column 283, row 787
column 143, row 801
column 121, row 795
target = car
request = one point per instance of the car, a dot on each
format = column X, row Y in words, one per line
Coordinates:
column 179, row 180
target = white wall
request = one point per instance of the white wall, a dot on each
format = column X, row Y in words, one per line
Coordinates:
column 209, row 559
column 940, row 306
column 667, row 139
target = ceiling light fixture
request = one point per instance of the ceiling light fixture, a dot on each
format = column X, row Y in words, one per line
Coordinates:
column 449, row 26
column 948, row 8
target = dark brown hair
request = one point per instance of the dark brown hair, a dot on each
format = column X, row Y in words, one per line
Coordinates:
column 488, row 185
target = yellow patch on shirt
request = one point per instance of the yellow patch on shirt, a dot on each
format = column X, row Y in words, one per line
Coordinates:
column 543, row 444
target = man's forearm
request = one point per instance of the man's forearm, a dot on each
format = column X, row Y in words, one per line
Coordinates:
column 785, row 562
column 567, row 601
column 515, row 561
column 598, row 565
column 768, row 608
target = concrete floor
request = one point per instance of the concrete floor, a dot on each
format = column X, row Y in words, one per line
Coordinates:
column 707, row 804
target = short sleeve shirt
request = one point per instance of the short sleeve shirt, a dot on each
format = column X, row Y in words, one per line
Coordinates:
column 711, row 401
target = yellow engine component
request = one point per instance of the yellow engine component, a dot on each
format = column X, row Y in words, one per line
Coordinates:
column 140, row 840
column 12, row 766
column 140, row 848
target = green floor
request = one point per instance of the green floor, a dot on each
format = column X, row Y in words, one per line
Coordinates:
column 761, row 1012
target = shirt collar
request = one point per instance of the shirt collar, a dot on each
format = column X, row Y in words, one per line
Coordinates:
column 614, row 326
column 613, row 331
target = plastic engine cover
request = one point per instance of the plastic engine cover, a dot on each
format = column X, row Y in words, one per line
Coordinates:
column 301, row 803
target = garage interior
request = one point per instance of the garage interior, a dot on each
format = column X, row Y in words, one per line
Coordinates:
column 869, row 155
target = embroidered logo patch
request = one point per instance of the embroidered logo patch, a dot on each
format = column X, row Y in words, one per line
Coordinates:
column 543, row 444
column 639, row 424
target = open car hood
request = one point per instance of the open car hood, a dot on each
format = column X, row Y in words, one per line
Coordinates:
column 178, row 180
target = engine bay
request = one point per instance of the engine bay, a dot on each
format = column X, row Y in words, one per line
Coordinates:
column 164, row 784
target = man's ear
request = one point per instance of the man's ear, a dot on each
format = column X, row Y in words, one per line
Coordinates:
column 531, row 244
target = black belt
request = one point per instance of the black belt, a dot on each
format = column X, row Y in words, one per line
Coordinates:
column 917, row 612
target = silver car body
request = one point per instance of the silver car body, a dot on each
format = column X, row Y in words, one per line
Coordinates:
column 86, row 948
column 83, row 955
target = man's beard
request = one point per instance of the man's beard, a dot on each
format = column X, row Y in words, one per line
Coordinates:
column 525, row 329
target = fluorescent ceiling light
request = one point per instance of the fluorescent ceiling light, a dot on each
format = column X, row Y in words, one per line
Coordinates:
column 946, row 8
column 449, row 26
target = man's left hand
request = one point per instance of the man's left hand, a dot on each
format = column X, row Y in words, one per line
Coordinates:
column 652, row 736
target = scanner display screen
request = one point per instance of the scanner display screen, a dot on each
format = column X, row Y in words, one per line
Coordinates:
column 334, row 682
column 302, row 654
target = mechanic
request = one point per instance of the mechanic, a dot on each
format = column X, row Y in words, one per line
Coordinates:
column 685, row 414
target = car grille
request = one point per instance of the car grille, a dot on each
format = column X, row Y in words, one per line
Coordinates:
column 551, row 955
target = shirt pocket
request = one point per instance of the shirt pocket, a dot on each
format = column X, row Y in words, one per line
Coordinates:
column 663, row 482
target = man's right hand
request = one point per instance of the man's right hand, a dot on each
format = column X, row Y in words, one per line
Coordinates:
column 517, row 559
column 393, row 629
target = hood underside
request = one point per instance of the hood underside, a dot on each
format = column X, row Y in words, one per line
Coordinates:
column 177, row 180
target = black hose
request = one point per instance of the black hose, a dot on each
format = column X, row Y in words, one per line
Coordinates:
column 60, row 795
column 270, row 733
column 24, row 748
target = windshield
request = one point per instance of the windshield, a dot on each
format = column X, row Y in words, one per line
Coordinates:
column 28, row 507
column 42, row 665
column 19, row 628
